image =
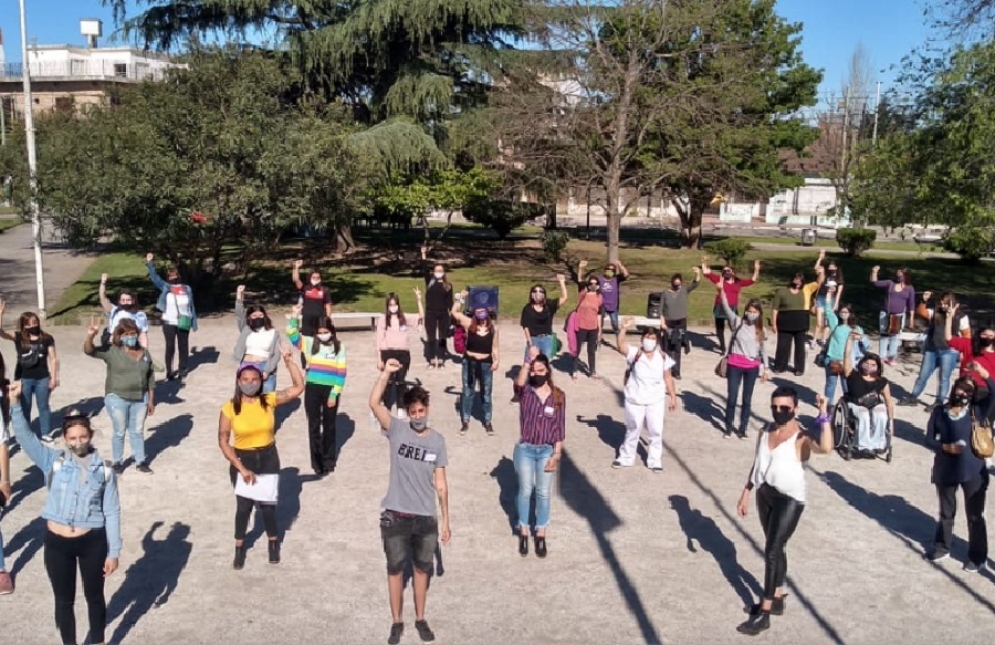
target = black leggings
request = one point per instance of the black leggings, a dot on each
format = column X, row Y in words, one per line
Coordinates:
column 589, row 336
column 62, row 556
column 779, row 515
column 320, row 427
column 673, row 342
column 394, row 392
column 437, row 330
column 175, row 336
column 264, row 461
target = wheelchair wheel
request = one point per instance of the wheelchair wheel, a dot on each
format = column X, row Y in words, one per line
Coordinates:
column 841, row 427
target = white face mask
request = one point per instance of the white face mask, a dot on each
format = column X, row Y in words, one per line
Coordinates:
column 438, row 275
column 392, row 309
column 649, row 344
column 324, row 337
column 315, row 281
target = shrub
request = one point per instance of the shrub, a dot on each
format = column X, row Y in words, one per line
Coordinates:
column 500, row 215
column 969, row 242
column 553, row 245
column 854, row 241
column 731, row 250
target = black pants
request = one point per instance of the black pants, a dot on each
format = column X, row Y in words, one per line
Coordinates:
column 977, row 530
column 393, row 394
column 673, row 342
column 264, row 461
column 589, row 336
column 779, row 515
column 720, row 333
column 62, row 556
column 175, row 336
column 320, row 427
column 437, row 331
column 784, row 340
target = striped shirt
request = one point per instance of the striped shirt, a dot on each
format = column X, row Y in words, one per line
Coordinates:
column 324, row 367
column 542, row 422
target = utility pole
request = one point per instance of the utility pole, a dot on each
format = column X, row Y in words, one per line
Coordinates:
column 877, row 111
column 29, row 130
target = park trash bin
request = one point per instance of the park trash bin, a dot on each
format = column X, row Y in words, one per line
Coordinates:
column 653, row 305
column 809, row 236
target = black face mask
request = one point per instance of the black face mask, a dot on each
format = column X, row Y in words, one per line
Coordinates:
column 676, row 286
column 782, row 417
column 129, row 307
column 173, row 281
column 33, row 330
column 960, row 400
column 538, row 380
column 795, row 285
column 256, row 324
column 986, row 342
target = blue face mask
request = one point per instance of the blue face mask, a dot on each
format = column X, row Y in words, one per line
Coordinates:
column 130, row 341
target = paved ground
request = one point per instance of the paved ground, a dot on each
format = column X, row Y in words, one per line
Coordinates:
column 634, row 557
column 62, row 268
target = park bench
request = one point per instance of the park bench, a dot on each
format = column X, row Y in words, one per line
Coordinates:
column 639, row 321
column 355, row 320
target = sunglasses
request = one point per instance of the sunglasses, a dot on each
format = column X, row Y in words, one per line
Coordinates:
column 781, row 408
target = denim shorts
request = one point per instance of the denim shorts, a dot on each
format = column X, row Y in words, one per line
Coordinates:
column 404, row 536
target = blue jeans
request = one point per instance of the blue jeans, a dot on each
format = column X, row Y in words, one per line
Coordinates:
column 613, row 317
column 39, row 388
column 888, row 345
column 944, row 359
column 269, row 385
column 530, row 464
column 127, row 416
column 471, row 370
column 544, row 344
column 748, row 379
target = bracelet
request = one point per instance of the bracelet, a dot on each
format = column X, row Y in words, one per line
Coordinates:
column 822, row 418
column 749, row 486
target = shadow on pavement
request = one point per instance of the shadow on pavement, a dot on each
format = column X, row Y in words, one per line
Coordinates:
column 150, row 580
column 285, row 411
column 29, row 541
column 204, row 356
column 288, row 507
column 587, row 501
column 507, row 480
column 610, row 430
column 168, row 435
column 699, row 527
column 705, row 408
column 345, row 428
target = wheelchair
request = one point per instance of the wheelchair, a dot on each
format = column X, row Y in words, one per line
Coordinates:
column 844, row 424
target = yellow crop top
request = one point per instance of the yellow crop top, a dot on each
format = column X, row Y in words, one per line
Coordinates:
column 253, row 427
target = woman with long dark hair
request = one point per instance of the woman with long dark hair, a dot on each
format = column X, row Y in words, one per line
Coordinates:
column 393, row 332
column 869, row 400
column 480, row 361
column 746, row 361
column 438, row 303
column 6, row 582
column 324, row 355
column 82, row 514
column 588, row 325
column 37, row 367
column 179, row 316
column 258, row 341
column 896, row 312
column 977, row 360
column 247, row 438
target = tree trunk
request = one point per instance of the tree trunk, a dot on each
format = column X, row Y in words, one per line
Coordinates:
column 613, row 217
column 343, row 235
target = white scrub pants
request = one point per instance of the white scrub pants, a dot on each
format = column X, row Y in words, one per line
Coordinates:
column 635, row 417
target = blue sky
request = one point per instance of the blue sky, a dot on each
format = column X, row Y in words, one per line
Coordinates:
column 889, row 29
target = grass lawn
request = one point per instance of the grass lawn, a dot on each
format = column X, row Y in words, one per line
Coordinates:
column 7, row 223
column 883, row 246
column 362, row 281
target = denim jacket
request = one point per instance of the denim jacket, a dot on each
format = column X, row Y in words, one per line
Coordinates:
column 92, row 505
column 164, row 287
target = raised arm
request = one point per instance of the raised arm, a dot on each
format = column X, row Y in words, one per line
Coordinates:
column 523, row 373
column 922, row 308
column 756, row 270
column 705, row 269
column 91, row 332
column 457, row 310
column 380, row 411
column 621, row 269
column 620, row 343
column 159, row 283
column 105, row 302
column 564, row 296
column 730, row 314
column 240, row 307
column 848, row 353
column 6, row 335
column 824, row 445
column 296, row 274
column 296, row 379
column 818, row 260
column 421, row 306
column 874, row 275
column 697, row 279
column 29, row 442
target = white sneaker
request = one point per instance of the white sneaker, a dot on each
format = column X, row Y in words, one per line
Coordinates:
column 621, row 464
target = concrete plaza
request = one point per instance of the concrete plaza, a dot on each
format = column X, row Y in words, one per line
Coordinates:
column 635, row 557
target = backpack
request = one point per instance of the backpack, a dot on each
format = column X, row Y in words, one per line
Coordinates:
column 61, row 460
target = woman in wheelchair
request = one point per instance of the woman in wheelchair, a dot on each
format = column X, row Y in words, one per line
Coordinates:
column 868, row 399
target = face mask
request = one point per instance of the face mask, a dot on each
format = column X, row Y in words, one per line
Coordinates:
column 249, row 389
column 796, row 285
column 609, row 274
column 129, row 306
column 727, row 275
column 255, row 324
column 538, row 380
column 80, row 449
column 438, row 275
column 751, row 317
column 538, row 297
column 34, row 330
column 592, row 288
column 419, row 424
column 315, row 282
column 869, row 367
column 324, row 337
column 649, row 344
column 481, row 315
column 130, row 341
column 899, row 279
column 393, row 309
column 676, row 286
column 987, row 342
column 175, row 280
column 960, row 399
column 782, row 417
column 832, row 273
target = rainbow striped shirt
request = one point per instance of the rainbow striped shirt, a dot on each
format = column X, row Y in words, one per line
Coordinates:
column 324, row 367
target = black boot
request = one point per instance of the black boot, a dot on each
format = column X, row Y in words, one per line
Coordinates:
column 239, row 562
column 755, row 624
column 274, row 551
column 523, row 545
column 540, row 546
column 776, row 608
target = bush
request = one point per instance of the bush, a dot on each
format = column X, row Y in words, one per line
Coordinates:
column 969, row 242
column 854, row 241
column 731, row 250
column 501, row 216
column 553, row 245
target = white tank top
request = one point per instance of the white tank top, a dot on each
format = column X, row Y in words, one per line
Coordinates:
column 258, row 343
column 780, row 468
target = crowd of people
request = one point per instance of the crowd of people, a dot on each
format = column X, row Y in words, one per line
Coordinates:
column 82, row 510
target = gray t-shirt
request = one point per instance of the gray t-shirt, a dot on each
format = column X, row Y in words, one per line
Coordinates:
column 413, row 460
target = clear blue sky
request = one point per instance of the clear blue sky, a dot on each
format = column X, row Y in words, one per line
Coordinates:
column 889, row 29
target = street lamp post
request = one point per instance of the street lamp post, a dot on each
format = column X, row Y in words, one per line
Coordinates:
column 29, row 130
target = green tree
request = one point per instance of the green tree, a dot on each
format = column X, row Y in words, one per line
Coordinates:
column 212, row 159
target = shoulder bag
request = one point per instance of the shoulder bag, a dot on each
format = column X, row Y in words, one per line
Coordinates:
column 722, row 368
column 982, row 444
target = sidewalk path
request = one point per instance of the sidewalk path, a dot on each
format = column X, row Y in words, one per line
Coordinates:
column 62, row 268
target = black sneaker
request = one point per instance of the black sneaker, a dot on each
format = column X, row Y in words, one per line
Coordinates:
column 515, row 399
column 274, row 551
column 776, row 608
column 395, row 634
column 489, row 429
column 936, row 556
column 171, row 376
column 970, row 567
column 464, row 428
column 743, row 434
column 143, row 468
column 425, row 632
column 239, row 562
column 118, row 468
column 755, row 624
column 909, row 401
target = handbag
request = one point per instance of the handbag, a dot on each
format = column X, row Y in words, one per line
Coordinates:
column 184, row 323
column 820, row 358
column 982, row 444
column 835, row 367
column 894, row 324
column 722, row 368
column 557, row 345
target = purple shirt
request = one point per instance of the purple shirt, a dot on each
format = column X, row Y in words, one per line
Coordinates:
column 897, row 302
column 609, row 291
column 543, row 422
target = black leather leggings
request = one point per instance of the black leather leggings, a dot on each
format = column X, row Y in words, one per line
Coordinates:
column 779, row 515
